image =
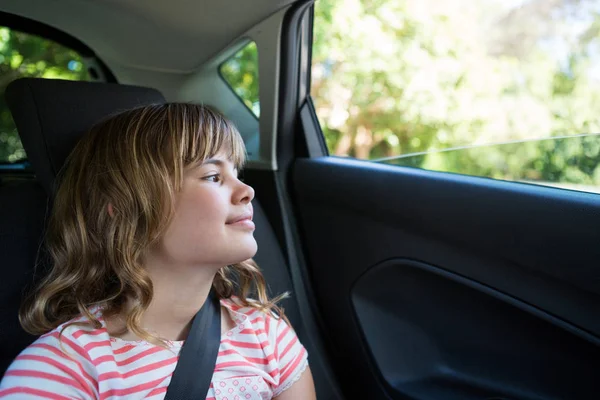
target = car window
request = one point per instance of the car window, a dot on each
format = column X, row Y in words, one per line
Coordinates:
column 241, row 73
column 26, row 55
column 500, row 89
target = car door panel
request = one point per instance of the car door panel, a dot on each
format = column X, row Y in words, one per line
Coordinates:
column 437, row 285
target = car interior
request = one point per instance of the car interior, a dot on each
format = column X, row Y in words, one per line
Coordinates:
column 406, row 283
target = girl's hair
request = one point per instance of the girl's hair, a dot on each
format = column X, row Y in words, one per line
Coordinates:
column 134, row 161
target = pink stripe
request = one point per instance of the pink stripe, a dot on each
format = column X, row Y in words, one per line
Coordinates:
column 227, row 352
column 124, row 349
column 61, row 354
column 93, row 345
column 131, row 390
column 157, row 391
column 51, row 377
column 282, row 334
column 289, row 369
column 263, row 361
column 47, row 360
column 274, row 373
column 78, row 349
column 44, row 346
column 136, row 357
column 288, row 347
column 77, row 334
column 34, row 392
column 151, row 367
column 224, row 365
column 246, row 345
column 279, row 322
column 249, row 331
column 52, row 349
column 137, row 371
column 109, row 375
column 103, row 359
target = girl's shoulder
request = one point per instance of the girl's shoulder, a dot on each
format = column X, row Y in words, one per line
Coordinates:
column 68, row 345
column 237, row 306
column 76, row 335
column 60, row 361
column 241, row 314
column 260, row 321
column 285, row 358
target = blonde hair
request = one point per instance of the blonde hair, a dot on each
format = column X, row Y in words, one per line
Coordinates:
column 135, row 162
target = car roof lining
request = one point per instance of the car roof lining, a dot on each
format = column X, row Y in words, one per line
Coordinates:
column 177, row 36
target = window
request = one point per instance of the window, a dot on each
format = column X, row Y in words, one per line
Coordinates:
column 25, row 55
column 500, row 89
column 241, row 74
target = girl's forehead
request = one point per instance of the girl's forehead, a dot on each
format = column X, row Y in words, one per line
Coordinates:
column 228, row 152
column 221, row 159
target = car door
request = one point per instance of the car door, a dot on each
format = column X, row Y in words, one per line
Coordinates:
column 453, row 283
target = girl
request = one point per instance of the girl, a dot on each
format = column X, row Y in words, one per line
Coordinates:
column 150, row 214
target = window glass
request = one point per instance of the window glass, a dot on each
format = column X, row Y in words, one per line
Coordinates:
column 25, row 55
column 241, row 74
column 501, row 89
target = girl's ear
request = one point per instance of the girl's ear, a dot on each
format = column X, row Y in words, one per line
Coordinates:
column 110, row 210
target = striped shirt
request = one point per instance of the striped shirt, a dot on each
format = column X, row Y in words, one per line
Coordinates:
column 258, row 359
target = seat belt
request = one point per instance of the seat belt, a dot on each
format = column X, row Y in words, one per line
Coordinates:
column 198, row 356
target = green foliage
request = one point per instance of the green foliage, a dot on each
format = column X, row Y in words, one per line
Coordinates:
column 445, row 80
column 241, row 73
column 24, row 55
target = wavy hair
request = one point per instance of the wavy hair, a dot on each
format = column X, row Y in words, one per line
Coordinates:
column 133, row 161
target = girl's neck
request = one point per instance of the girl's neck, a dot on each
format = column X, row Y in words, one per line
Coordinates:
column 176, row 299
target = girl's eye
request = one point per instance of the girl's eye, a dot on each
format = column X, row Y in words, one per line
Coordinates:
column 213, row 178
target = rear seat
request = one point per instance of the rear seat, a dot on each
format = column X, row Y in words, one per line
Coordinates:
column 51, row 115
column 22, row 214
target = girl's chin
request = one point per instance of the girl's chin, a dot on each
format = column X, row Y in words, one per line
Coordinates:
column 244, row 253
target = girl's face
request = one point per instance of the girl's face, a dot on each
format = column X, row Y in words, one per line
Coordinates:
column 212, row 225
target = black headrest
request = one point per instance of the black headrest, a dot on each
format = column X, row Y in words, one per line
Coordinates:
column 51, row 116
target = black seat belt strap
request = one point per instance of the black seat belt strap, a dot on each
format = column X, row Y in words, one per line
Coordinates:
column 198, row 357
